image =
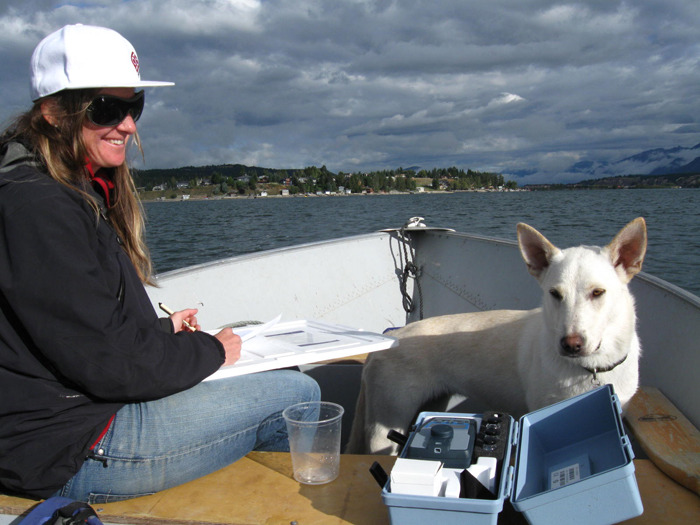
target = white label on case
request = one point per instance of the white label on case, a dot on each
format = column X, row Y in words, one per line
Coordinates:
column 564, row 476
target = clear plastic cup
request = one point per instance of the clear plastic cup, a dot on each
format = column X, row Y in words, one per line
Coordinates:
column 314, row 440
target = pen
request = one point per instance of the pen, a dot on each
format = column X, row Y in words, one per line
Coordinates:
column 170, row 312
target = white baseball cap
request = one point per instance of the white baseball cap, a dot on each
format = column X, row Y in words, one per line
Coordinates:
column 80, row 56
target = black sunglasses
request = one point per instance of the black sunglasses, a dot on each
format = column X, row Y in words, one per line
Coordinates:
column 108, row 110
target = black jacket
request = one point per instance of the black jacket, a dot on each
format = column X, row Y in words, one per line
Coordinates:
column 79, row 337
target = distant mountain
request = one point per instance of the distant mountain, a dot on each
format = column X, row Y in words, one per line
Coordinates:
column 672, row 180
column 659, row 161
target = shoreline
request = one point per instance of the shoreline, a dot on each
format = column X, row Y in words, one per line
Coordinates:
column 204, row 197
column 190, row 197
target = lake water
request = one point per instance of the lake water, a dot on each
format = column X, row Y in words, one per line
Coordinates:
column 184, row 233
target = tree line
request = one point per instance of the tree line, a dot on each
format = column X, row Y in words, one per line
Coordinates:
column 241, row 179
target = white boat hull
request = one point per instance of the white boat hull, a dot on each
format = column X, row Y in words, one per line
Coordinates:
column 356, row 281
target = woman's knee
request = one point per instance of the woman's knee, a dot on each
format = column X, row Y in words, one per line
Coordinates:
column 305, row 386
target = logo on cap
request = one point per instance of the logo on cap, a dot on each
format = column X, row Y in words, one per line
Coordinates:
column 135, row 61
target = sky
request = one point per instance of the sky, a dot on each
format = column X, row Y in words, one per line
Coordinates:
column 526, row 88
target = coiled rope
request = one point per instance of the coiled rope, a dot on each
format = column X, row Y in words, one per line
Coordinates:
column 410, row 270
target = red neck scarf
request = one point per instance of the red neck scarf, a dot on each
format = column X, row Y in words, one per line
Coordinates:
column 102, row 185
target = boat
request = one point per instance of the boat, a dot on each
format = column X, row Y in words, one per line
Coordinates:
column 388, row 278
column 359, row 281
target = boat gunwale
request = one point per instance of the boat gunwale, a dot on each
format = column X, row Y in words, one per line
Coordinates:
column 648, row 278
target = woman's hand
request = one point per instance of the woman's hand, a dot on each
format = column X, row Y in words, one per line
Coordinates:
column 185, row 320
column 232, row 345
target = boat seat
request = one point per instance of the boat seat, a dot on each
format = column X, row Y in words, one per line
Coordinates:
column 259, row 489
column 669, row 439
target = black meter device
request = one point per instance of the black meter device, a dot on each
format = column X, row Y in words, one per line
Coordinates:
column 446, row 439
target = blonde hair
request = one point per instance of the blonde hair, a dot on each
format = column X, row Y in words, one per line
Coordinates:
column 59, row 147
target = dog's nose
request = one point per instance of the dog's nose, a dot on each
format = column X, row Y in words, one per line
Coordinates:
column 572, row 344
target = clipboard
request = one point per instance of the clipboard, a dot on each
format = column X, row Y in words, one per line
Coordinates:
column 276, row 345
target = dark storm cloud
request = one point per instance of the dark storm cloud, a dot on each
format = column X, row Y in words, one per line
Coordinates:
column 510, row 86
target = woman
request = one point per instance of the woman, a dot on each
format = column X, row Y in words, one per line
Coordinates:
column 101, row 400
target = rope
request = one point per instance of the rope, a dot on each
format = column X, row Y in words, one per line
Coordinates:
column 410, row 270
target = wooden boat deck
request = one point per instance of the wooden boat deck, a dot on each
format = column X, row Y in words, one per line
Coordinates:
column 260, row 489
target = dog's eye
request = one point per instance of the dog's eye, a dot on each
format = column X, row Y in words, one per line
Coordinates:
column 556, row 294
column 598, row 292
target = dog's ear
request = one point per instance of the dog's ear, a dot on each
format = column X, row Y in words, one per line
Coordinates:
column 628, row 248
column 535, row 249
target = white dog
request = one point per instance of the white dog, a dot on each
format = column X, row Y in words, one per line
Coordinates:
column 515, row 361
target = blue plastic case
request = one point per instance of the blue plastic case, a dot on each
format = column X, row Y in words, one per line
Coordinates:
column 573, row 465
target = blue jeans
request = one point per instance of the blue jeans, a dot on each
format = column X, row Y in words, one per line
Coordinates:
column 155, row 445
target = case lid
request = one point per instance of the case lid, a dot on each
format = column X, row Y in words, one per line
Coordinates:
column 570, row 441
